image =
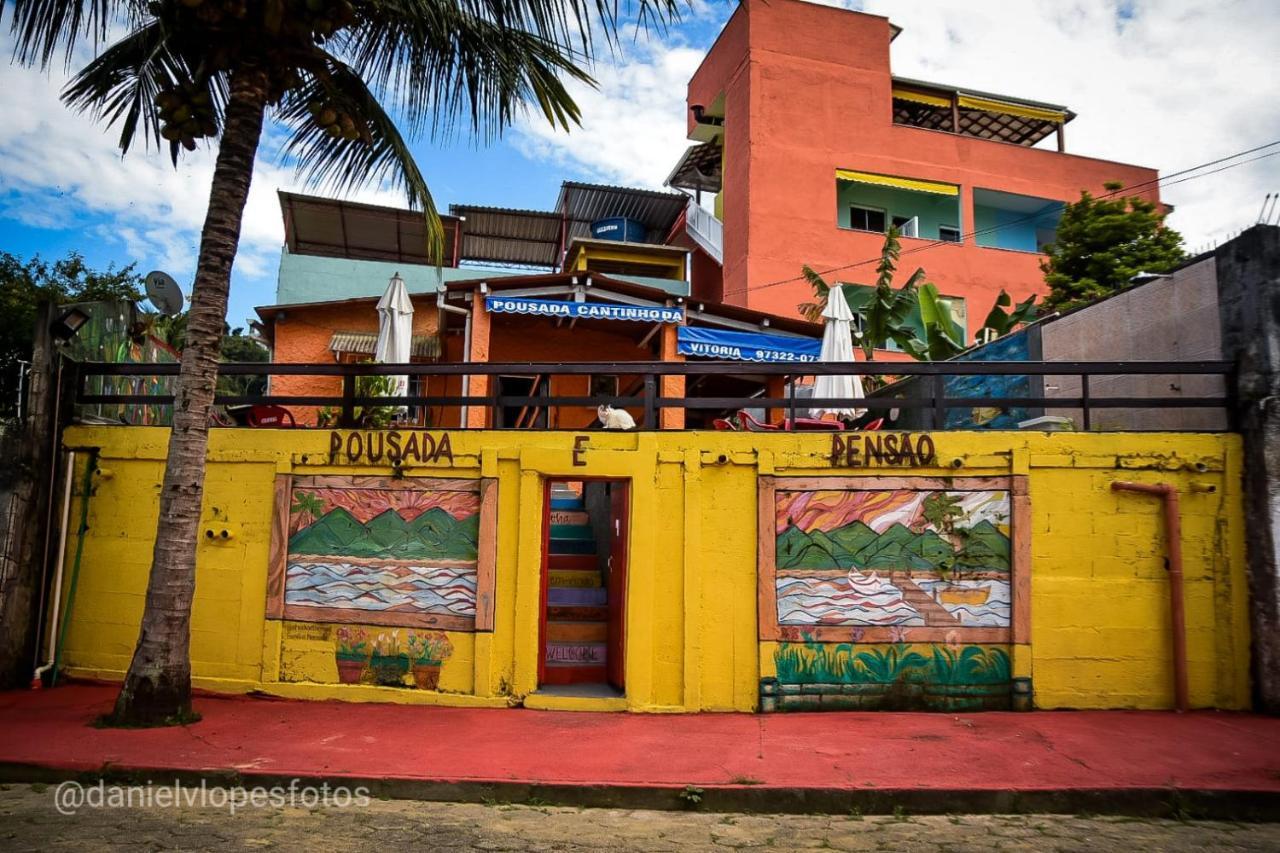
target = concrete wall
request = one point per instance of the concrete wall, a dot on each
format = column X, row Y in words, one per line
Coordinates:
column 1169, row 319
column 808, row 90
column 1096, row 600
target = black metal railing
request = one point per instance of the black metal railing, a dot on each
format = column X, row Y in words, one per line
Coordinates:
column 648, row 398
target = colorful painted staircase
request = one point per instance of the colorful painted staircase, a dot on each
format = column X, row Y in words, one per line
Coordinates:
column 577, row 601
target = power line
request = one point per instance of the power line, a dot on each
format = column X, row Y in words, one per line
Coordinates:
column 1161, row 181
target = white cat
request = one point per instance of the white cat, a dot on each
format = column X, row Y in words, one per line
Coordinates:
column 611, row 418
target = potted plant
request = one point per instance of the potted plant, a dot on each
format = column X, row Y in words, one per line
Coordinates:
column 389, row 661
column 352, row 654
column 427, row 651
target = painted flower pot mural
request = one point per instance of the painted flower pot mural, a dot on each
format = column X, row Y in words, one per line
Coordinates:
column 389, row 663
column 352, row 653
column 428, row 650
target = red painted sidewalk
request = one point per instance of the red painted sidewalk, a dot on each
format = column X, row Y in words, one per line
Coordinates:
column 1039, row 751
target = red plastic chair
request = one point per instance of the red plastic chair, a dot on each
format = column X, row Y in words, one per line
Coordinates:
column 873, row 425
column 270, row 417
column 722, row 424
column 801, row 424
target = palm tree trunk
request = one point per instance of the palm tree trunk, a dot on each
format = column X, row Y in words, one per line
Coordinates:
column 157, row 688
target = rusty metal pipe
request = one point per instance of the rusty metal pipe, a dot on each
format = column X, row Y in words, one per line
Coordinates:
column 1173, row 547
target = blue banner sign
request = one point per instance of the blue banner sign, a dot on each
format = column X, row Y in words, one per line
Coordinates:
column 583, row 310
column 744, row 346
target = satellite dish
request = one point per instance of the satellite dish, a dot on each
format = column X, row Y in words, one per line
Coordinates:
column 164, row 293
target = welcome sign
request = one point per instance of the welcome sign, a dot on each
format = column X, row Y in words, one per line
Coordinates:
column 564, row 309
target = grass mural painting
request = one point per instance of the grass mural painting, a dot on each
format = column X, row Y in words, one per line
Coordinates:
column 891, row 597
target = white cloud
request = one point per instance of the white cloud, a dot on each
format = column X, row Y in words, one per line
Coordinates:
column 60, row 169
column 633, row 125
column 1173, row 84
column 1167, row 84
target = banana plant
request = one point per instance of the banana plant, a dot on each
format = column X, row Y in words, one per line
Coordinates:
column 1001, row 322
column 885, row 316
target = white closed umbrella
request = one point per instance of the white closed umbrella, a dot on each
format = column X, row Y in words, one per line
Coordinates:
column 837, row 347
column 395, row 330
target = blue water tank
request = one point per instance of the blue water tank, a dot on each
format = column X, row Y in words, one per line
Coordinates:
column 618, row 228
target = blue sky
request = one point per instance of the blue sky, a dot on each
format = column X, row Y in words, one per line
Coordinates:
column 1156, row 82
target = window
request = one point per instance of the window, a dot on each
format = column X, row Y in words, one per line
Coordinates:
column 949, row 233
column 908, row 226
column 867, row 219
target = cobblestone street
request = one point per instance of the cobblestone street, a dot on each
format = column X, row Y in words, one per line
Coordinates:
column 29, row 821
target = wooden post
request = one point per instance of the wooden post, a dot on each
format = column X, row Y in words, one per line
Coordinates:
column 776, row 387
column 25, row 490
column 1062, row 141
column 478, row 416
column 672, row 386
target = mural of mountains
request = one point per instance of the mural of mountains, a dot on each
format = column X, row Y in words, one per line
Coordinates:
column 898, row 548
column 434, row 534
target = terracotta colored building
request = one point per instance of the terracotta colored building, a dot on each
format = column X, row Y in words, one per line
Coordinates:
column 574, row 297
column 812, row 147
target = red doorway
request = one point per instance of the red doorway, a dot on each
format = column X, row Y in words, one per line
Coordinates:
column 582, row 624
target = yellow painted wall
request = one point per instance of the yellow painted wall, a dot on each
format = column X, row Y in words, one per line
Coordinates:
column 1099, row 613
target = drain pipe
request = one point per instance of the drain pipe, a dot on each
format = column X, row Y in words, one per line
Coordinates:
column 86, row 492
column 1173, row 546
column 466, row 345
column 36, row 679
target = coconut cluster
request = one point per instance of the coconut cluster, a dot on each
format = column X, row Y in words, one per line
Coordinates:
column 186, row 114
column 338, row 122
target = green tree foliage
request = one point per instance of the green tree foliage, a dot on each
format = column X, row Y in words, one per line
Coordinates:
column 1102, row 243
column 25, row 284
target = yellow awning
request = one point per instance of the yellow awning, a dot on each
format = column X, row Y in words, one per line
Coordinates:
column 921, row 97
column 969, row 102
column 898, row 183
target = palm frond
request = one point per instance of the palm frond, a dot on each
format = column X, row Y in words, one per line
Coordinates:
column 121, row 84
column 42, row 28
column 448, row 64
column 380, row 155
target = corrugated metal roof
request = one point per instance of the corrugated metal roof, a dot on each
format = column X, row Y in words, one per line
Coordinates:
column 366, row 343
column 509, row 236
column 584, row 204
column 345, row 229
column 533, row 237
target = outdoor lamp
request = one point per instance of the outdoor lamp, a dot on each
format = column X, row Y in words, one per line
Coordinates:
column 65, row 327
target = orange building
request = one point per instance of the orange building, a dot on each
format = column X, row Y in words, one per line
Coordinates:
column 813, row 148
column 606, row 300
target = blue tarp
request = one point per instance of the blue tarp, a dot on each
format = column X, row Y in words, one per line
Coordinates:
column 744, row 346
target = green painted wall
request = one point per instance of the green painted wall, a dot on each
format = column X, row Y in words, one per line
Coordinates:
column 933, row 209
column 311, row 278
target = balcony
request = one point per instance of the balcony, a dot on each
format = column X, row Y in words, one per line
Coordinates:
column 704, row 229
column 1021, row 223
column 917, row 208
column 999, row 118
